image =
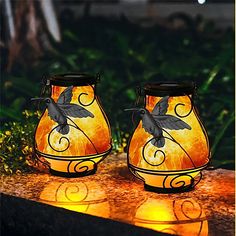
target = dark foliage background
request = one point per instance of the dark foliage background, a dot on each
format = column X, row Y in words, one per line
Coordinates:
column 126, row 55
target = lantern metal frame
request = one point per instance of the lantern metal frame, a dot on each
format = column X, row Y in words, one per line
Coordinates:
column 177, row 176
column 75, row 79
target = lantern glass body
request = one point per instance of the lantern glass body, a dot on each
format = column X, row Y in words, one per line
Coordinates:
column 88, row 139
column 177, row 164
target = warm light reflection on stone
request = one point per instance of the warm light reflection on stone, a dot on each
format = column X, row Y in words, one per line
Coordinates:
column 85, row 197
column 179, row 217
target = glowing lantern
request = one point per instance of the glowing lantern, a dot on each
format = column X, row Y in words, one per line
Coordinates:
column 169, row 147
column 73, row 134
column 178, row 217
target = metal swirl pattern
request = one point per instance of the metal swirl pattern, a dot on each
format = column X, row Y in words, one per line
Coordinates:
column 155, row 154
column 60, row 140
column 178, row 181
column 158, row 150
column 182, row 104
column 84, row 167
column 67, row 139
column 86, row 94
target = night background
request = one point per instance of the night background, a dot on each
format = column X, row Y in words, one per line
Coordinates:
column 128, row 43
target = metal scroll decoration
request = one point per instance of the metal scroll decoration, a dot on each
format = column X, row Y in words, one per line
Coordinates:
column 86, row 94
column 82, row 167
column 172, row 182
column 73, row 125
column 179, row 181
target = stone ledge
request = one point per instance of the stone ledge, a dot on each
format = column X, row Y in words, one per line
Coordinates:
column 115, row 194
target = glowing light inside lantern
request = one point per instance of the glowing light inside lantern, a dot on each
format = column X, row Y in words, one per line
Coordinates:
column 98, row 131
column 193, row 141
column 178, row 161
column 88, row 137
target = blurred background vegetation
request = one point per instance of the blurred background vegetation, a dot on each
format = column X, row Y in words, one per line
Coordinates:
column 126, row 54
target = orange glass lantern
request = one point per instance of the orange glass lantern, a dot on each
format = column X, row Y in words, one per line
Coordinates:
column 169, row 147
column 73, row 134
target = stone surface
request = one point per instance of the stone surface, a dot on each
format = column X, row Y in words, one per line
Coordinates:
column 24, row 217
column 114, row 193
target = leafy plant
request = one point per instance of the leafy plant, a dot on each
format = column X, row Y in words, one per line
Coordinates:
column 126, row 55
column 16, row 144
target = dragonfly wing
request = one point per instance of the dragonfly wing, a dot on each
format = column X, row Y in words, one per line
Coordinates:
column 171, row 122
column 75, row 110
column 161, row 107
column 65, row 96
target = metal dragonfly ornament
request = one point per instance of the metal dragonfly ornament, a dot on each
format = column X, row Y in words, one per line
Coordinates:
column 154, row 122
column 60, row 110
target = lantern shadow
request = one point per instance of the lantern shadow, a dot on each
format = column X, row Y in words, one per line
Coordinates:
column 85, row 197
column 178, row 217
column 123, row 172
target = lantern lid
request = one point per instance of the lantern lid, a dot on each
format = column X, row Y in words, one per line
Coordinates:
column 169, row 88
column 76, row 79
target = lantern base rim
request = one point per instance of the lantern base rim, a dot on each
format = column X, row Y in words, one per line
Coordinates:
column 72, row 167
column 166, row 172
column 72, row 175
column 170, row 182
column 168, row 190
